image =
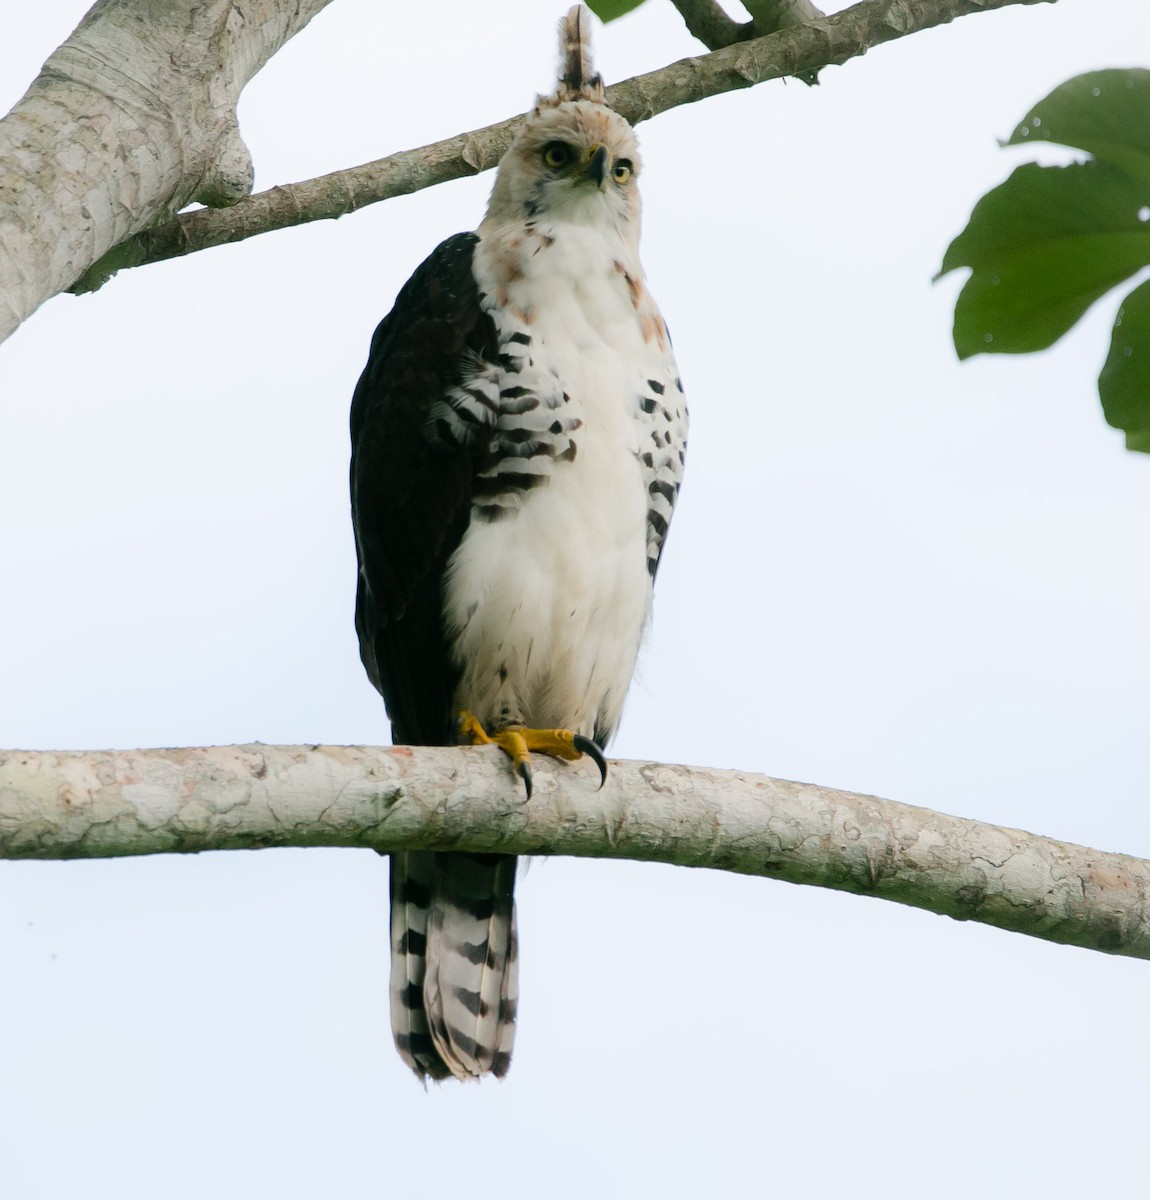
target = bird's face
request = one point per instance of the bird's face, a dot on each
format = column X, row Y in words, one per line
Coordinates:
column 575, row 162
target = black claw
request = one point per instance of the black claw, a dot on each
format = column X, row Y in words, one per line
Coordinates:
column 525, row 775
column 591, row 749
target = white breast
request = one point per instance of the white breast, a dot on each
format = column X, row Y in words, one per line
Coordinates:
column 547, row 605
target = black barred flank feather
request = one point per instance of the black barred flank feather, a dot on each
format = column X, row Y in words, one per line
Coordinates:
column 578, row 79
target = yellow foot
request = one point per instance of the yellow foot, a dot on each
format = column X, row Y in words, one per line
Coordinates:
column 517, row 743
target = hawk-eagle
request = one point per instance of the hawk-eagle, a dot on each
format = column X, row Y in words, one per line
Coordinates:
column 518, row 439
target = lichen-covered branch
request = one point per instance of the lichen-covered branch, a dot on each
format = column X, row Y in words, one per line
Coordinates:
column 795, row 51
column 108, row 803
column 131, row 119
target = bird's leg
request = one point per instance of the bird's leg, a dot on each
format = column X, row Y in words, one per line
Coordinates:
column 517, row 743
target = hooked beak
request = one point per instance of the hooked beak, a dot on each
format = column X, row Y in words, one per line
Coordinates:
column 596, row 166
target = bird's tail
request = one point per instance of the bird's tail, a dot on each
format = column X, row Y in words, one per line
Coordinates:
column 578, row 79
column 454, row 962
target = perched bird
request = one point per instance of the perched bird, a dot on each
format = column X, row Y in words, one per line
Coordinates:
column 518, row 439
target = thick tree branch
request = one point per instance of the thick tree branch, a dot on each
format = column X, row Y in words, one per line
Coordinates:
column 108, row 803
column 131, row 119
column 798, row 50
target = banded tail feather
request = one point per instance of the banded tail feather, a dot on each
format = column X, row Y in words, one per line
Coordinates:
column 412, row 882
column 454, row 985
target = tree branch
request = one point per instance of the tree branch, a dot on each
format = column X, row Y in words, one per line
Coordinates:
column 709, row 22
column 795, row 51
column 769, row 15
column 108, row 803
column 131, row 119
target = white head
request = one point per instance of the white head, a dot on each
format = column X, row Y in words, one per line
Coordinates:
column 574, row 160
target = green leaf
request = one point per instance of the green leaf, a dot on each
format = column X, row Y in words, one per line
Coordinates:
column 1124, row 384
column 1044, row 246
column 1047, row 243
column 1039, row 206
column 1105, row 113
column 608, row 10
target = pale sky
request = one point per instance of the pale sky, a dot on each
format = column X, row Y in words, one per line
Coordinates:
column 889, row 573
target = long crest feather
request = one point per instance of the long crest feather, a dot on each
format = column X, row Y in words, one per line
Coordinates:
column 578, row 79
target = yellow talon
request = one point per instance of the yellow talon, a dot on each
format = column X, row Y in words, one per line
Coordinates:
column 472, row 731
column 514, row 745
column 517, row 743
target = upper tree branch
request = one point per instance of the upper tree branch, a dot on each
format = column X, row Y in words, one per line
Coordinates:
column 709, row 22
column 131, row 119
column 107, row 803
column 793, row 51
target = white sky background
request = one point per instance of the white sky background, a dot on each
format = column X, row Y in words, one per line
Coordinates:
column 888, row 573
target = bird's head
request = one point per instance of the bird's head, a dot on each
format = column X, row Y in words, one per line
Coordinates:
column 574, row 160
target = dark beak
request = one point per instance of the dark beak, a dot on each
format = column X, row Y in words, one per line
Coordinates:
column 596, row 168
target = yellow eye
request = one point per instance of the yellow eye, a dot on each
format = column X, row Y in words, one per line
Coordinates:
column 622, row 171
column 557, row 154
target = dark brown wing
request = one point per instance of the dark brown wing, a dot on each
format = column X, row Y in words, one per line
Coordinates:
column 411, row 492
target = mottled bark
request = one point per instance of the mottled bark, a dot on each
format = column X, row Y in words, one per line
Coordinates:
column 131, row 119
column 107, row 803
